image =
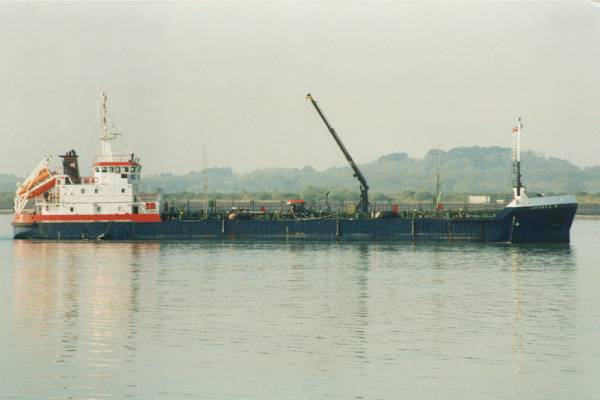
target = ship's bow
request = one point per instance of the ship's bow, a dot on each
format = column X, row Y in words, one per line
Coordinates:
column 541, row 219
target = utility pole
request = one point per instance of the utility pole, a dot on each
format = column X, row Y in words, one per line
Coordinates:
column 205, row 178
column 437, row 199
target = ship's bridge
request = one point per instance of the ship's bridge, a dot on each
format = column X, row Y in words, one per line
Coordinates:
column 117, row 168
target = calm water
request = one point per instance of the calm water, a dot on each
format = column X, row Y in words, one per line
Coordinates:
column 300, row 320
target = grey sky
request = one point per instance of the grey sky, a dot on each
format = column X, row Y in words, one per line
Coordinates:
column 391, row 77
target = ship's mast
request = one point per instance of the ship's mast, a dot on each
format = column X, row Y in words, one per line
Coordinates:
column 518, row 189
column 105, row 136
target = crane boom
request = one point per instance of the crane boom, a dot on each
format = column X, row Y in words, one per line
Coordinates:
column 363, row 204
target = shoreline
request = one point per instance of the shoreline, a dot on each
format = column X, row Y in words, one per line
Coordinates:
column 588, row 217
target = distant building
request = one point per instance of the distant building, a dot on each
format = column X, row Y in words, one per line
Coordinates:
column 480, row 200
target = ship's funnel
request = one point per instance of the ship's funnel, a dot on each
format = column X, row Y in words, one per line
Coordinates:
column 71, row 166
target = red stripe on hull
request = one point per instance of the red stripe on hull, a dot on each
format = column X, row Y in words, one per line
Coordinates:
column 33, row 218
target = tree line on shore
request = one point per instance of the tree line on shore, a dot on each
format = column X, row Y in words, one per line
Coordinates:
column 463, row 171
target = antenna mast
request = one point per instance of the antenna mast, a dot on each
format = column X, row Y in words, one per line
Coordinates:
column 518, row 189
column 105, row 135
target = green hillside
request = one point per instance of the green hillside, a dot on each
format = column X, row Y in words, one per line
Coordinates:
column 463, row 170
column 8, row 182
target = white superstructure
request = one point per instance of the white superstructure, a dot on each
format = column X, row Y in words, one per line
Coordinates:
column 111, row 193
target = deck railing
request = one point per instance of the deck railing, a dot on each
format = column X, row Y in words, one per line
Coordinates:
column 587, row 209
column 113, row 157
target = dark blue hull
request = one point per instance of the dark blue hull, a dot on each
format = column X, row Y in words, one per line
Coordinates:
column 548, row 224
column 522, row 224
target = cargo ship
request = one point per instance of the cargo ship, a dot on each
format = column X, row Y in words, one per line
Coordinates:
column 60, row 204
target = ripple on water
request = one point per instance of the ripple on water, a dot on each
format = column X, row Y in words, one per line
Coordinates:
column 299, row 320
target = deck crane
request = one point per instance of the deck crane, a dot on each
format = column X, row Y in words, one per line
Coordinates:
column 363, row 204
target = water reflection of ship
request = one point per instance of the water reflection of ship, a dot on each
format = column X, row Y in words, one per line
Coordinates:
column 340, row 300
column 525, row 259
column 517, row 316
column 58, row 298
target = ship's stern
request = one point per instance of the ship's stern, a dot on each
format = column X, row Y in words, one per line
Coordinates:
column 24, row 226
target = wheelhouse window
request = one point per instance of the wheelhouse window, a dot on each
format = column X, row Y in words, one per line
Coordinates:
column 97, row 169
column 111, row 169
column 103, row 169
column 125, row 169
column 118, row 170
column 96, row 190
